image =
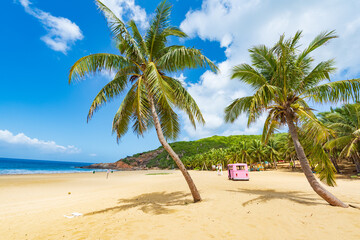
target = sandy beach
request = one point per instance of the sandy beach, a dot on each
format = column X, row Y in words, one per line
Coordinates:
column 134, row 205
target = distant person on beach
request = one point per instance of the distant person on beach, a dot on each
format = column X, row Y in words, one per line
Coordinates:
column 107, row 173
column 292, row 165
column 219, row 170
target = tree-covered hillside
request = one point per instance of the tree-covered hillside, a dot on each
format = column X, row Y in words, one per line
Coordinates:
column 187, row 149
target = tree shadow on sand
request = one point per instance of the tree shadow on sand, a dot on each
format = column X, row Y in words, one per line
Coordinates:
column 155, row 203
column 271, row 194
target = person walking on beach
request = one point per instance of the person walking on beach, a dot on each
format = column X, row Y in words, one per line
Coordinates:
column 219, row 170
column 107, row 173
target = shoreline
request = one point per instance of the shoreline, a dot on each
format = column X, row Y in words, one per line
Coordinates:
column 281, row 169
column 50, row 173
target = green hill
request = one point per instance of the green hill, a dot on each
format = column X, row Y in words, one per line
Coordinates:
column 160, row 158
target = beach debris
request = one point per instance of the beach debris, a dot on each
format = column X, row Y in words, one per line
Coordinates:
column 74, row 214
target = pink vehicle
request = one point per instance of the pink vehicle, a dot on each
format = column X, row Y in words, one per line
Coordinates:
column 238, row 171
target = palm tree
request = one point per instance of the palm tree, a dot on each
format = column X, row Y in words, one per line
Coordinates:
column 272, row 151
column 283, row 79
column 257, row 151
column 287, row 149
column 234, row 154
column 144, row 63
column 244, row 152
column 345, row 122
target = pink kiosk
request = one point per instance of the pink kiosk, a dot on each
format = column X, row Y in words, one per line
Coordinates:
column 238, row 171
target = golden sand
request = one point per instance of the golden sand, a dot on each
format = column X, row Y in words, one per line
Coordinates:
column 133, row 205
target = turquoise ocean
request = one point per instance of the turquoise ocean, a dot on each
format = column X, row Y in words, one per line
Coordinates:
column 25, row 166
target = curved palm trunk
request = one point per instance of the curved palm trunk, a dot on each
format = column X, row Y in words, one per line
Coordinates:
column 357, row 163
column 275, row 164
column 334, row 162
column 174, row 156
column 322, row 192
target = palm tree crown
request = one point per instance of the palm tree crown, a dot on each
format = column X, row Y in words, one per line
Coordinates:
column 283, row 80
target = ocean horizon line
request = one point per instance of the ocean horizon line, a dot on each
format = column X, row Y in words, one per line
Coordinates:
column 17, row 166
column 49, row 160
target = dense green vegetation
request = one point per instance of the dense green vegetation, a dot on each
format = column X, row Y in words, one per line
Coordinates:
column 219, row 148
column 191, row 148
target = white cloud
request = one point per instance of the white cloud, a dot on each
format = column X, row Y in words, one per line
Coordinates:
column 92, row 154
column 181, row 78
column 240, row 24
column 107, row 74
column 62, row 32
column 128, row 9
column 46, row 146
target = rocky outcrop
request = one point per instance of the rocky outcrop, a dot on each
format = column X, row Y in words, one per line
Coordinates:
column 129, row 163
column 116, row 165
column 142, row 159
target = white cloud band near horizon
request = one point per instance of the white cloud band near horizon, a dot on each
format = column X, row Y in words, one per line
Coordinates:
column 61, row 32
column 22, row 140
column 237, row 25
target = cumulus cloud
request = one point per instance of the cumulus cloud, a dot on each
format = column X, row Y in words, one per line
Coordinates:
column 21, row 139
column 181, row 78
column 107, row 74
column 129, row 10
column 240, row 24
column 62, row 32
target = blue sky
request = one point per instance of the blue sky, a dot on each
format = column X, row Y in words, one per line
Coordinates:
column 45, row 118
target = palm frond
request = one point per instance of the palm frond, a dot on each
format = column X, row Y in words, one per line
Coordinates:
column 253, row 106
column 295, row 40
column 124, row 113
column 155, row 41
column 334, row 92
column 271, row 124
column 119, row 30
column 169, row 120
column 139, row 39
column 338, row 143
column 164, row 96
column 315, row 130
column 184, row 101
column 351, row 147
column 179, row 58
column 262, row 58
column 141, row 106
column 96, row 62
column 249, row 75
column 318, row 41
column 321, row 72
column 324, row 166
column 237, row 107
column 111, row 90
column 156, row 84
column 174, row 31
